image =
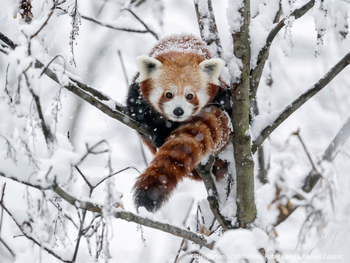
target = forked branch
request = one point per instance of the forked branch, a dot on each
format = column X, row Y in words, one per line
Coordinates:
column 264, row 52
column 207, row 26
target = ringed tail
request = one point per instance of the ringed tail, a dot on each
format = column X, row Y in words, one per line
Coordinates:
column 206, row 133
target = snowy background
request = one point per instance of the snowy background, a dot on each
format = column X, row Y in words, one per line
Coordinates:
column 293, row 67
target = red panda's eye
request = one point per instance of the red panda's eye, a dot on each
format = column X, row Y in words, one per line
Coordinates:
column 189, row 96
column 169, row 95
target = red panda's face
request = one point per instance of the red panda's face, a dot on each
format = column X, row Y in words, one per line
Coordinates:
column 178, row 85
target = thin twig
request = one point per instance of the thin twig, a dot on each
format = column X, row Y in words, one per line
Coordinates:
column 147, row 30
column 104, row 179
column 109, row 176
column 33, row 239
column 90, row 95
column 90, row 151
column 123, row 68
column 2, row 209
column 143, row 153
column 45, row 23
column 264, row 52
column 140, row 20
column 306, row 150
column 52, row 60
column 178, row 253
column 8, row 248
column 49, row 138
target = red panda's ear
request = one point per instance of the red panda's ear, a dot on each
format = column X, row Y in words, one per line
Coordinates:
column 147, row 67
column 211, row 68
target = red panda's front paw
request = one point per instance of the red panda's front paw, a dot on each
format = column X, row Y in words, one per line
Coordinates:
column 152, row 192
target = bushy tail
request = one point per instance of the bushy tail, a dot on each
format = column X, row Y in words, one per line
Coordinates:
column 207, row 133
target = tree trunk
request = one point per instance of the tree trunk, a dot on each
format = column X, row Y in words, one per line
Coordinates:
column 246, row 209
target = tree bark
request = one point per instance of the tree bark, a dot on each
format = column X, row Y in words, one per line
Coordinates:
column 246, row 209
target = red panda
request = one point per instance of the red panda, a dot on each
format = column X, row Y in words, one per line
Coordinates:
column 177, row 97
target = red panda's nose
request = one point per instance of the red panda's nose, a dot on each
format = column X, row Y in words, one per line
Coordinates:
column 178, row 111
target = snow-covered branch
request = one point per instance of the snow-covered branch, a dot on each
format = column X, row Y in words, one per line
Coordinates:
column 118, row 28
column 207, row 26
column 213, row 195
column 128, row 216
column 313, row 176
column 264, row 52
column 94, row 97
column 330, row 75
column 29, row 236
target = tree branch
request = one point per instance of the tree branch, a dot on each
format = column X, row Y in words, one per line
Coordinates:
column 130, row 217
column 264, row 52
column 314, row 176
column 213, row 195
column 94, row 97
column 338, row 141
column 300, row 101
column 143, row 23
column 49, row 137
column 147, row 30
column 31, row 238
column 121, row 214
column 207, row 26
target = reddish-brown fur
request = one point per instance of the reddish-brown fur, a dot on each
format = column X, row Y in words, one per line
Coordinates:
column 206, row 133
column 180, row 69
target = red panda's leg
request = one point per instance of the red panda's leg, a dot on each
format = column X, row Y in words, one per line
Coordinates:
column 207, row 133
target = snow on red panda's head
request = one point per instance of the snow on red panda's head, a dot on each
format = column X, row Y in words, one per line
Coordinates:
column 178, row 83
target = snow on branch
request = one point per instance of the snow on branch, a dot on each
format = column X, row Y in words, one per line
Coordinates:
column 94, row 97
column 264, row 52
column 314, row 175
column 130, row 217
column 207, row 26
column 28, row 235
column 338, row 141
column 330, row 75
column 213, row 196
column 125, row 215
column 329, row 154
column 76, row 21
column 238, row 14
column 114, row 27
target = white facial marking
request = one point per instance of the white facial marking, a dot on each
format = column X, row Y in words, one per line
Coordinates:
column 155, row 96
column 178, row 101
column 203, row 99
